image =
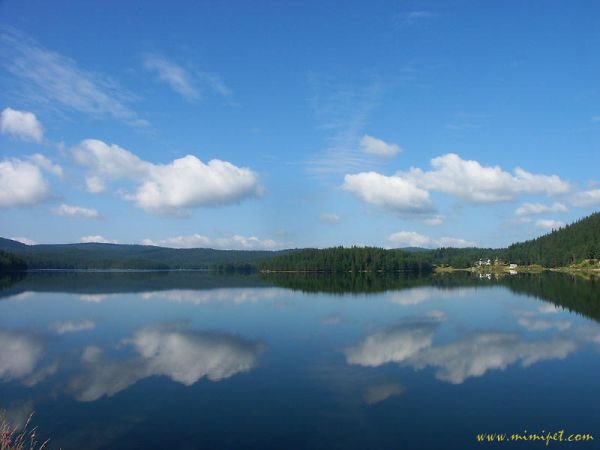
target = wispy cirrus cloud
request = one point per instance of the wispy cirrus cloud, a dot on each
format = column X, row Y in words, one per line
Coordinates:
column 341, row 112
column 46, row 76
column 188, row 83
column 174, row 75
column 330, row 218
column 408, row 18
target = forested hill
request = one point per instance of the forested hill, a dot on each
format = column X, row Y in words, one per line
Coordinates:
column 353, row 259
column 567, row 245
column 11, row 263
column 115, row 256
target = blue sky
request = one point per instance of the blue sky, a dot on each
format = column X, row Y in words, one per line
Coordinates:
column 264, row 125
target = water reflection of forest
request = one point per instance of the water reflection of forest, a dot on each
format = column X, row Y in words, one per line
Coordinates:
column 570, row 292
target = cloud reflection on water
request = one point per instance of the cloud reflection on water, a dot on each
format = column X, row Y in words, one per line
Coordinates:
column 184, row 356
column 473, row 355
column 20, row 352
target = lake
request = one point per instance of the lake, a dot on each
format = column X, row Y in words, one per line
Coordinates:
column 185, row 360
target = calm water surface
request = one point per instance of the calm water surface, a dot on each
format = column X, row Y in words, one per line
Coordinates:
column 192, row 360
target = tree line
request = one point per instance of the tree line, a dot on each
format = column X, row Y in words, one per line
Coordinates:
column 11, row 263
column 352, row 259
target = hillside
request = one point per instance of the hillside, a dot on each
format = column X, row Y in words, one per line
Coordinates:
column 567, row 245
column 115, row 256
column 11, row 263
column 353, row 259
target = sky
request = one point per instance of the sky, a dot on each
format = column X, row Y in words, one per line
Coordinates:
column 269, row 125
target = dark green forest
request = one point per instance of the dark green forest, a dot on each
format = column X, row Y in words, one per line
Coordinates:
column 11, row 263
column 568, row 245
column 353, row 259
column 565, row 246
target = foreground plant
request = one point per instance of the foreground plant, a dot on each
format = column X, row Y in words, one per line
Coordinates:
column 13, row 439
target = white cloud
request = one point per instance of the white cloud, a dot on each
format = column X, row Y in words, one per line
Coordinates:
column 446, row 241
column 44, row 163
column 76, row 211
column 587, row 199
column 235, row 242
column 21, row 184
column 97, row 239
column 172, row 188
column 183, row 356
column 188, row 183
column 410, row 239
column 73, row 327
column 414, row 239
column 108, row 162
column 392, row 193
column 470, row 181
column 172, row 74
column 539, row 208
column 377, row 147
column 57, row 80
column 434, row 221
column 329, row 218
column 409, row 192
column 24, row 240
column 549, row 224
column 22, row 124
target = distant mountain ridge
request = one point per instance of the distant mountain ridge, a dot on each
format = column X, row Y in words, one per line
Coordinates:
column 567, row 245
column 124, row 256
